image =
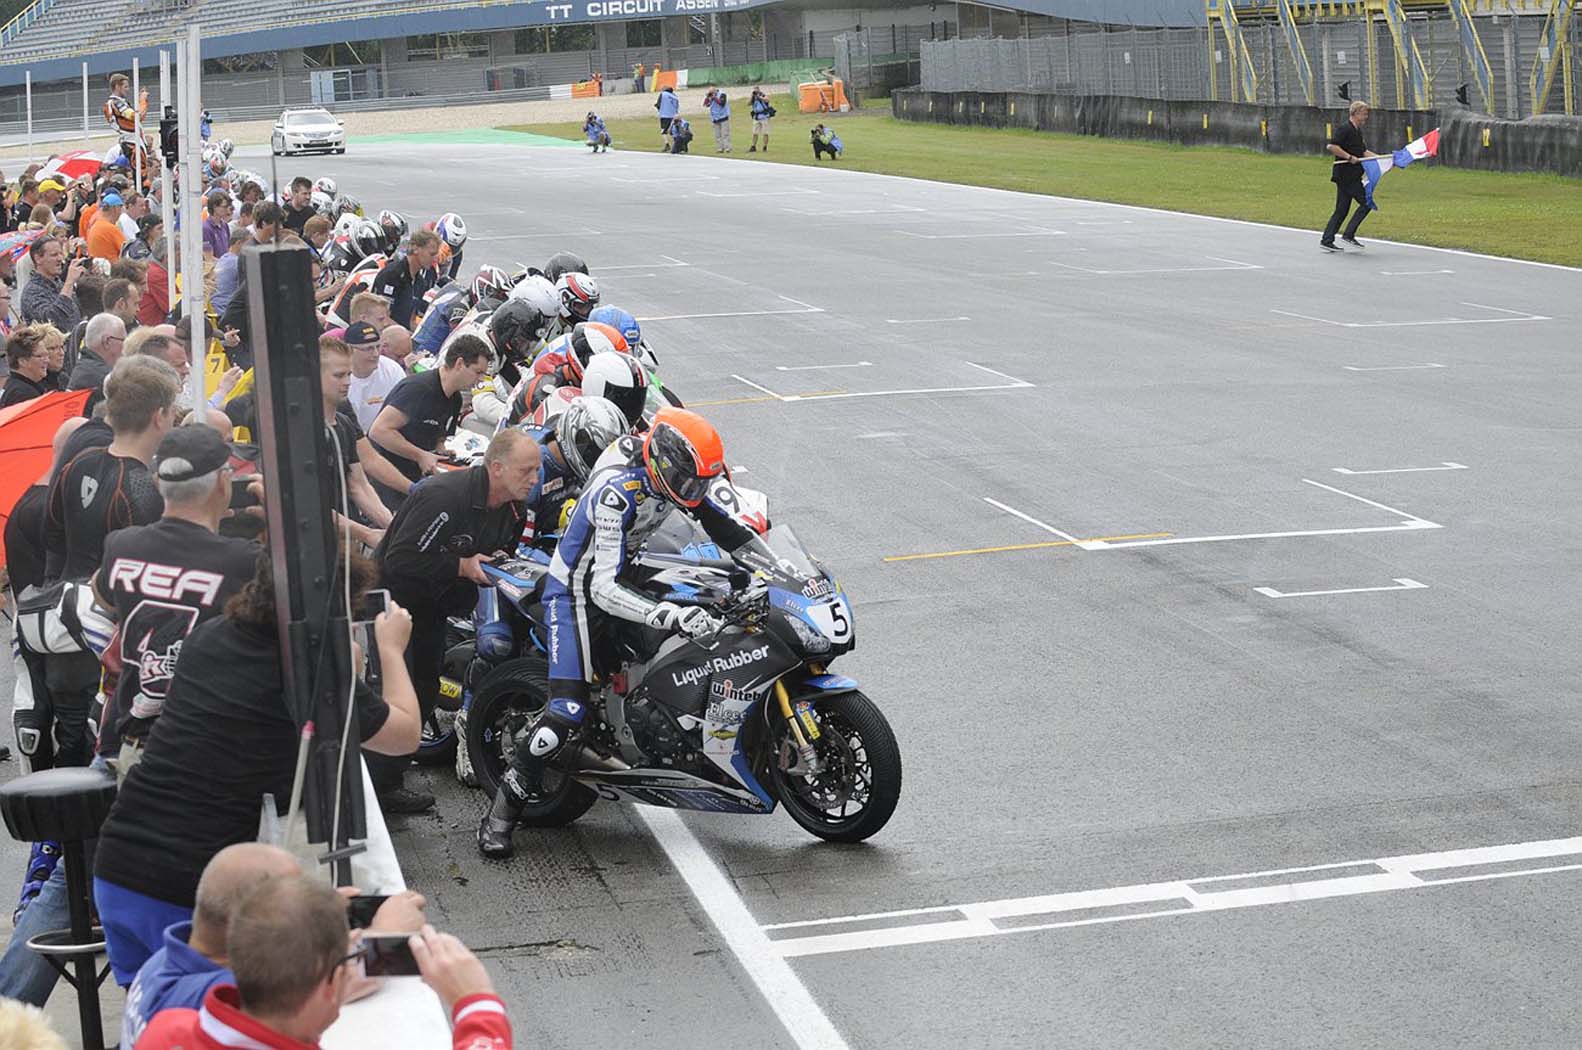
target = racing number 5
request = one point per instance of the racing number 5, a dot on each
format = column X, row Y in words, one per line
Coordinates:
column 837, row 616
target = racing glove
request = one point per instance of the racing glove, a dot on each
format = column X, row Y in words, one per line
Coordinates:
column 688, row 619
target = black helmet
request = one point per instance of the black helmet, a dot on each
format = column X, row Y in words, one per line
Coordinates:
column 563, row 262
column 516, row 328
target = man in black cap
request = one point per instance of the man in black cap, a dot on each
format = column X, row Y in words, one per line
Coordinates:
column 162, row 580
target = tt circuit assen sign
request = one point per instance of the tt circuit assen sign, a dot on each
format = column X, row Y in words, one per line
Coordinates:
column 588, row 10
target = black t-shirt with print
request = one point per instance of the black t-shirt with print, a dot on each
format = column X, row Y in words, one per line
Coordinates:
column 430, row 415
column 224, row 739
column 162, row 580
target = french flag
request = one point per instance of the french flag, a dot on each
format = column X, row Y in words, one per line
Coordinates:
column 1373, row 168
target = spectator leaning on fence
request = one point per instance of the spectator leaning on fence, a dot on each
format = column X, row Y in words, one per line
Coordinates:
column 762, row 113
column 720, row 117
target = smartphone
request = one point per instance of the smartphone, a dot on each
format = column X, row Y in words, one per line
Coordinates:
column 388, row 955
column 360, row 910
column 241, row 495
column 370, row 605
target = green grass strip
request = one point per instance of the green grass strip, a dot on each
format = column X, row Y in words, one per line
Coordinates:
column 1524, row 216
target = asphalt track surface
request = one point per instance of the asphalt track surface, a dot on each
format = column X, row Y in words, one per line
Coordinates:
column 1118, row 450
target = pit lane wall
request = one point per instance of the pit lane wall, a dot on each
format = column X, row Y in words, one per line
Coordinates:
column 1547, row 144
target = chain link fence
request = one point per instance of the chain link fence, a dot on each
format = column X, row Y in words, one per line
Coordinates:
column 1182, row 64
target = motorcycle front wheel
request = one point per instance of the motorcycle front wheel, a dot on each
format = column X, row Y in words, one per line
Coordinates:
column 859, row 785
column 506, row 702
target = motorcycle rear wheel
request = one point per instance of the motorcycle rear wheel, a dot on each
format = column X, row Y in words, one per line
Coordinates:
column 508, row 699
column 862, row 768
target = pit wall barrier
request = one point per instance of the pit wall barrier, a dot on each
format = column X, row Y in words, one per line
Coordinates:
column 1549, row 144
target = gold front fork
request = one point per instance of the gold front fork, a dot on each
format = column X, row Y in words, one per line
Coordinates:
column 805, row 752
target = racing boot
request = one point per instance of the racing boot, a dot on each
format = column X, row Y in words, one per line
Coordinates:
column 555, row 735
column 494, row 832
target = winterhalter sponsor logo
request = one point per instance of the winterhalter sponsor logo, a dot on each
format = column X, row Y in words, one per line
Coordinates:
column 741, row 658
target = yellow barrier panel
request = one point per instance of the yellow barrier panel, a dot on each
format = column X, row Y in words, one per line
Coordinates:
column 1486, row 140
column 1205, row 122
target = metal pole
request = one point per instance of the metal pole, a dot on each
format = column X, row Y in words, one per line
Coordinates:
column 167, row 190
column 137, row 127
column 28, row 78
column 85, row 103
column 194, row 301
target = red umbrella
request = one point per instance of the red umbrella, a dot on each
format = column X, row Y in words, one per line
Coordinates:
column 26, row 431
column 73, row 165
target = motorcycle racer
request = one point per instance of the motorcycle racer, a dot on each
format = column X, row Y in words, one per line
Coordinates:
column 579, row 295
column 679, row 463
column 513, row 330
column 560, row 364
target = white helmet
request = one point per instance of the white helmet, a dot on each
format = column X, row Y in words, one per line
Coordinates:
column 539, row 294
column 347, row 223
column 619, row 379
column 227, row 147
column 326, row 186
column 578, row 294
column 322, row 202
column 451, row 229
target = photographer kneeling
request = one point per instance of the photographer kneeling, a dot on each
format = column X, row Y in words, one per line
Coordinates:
column 223, row 740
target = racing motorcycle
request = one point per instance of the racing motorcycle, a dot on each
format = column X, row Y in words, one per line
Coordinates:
column 736, row 722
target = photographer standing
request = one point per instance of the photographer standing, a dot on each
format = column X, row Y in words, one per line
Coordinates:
column 720, row 117
column 762, row 113
column 51, row 293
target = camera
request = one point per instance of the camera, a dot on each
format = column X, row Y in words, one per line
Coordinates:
column 368, row 608
column 388, row 955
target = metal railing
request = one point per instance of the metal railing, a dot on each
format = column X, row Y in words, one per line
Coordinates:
column 24, row 18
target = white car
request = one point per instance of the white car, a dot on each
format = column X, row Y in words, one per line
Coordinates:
column 308, row 131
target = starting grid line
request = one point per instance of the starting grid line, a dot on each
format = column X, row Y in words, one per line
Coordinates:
column 1155, row 900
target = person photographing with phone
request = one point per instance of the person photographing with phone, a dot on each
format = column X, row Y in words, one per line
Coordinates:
column 432, row 559
column 51, row 293
column 287, row 946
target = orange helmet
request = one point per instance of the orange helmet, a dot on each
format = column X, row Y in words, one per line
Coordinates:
column 683, row 453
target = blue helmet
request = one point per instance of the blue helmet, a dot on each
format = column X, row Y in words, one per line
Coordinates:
column 621, row 321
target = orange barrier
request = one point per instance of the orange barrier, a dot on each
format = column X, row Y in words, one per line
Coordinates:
column 585, row 89
column 663, row 79
column 819, row 97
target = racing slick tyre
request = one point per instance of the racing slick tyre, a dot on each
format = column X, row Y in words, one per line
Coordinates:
column 437, row 745
column 860, row 785
column 504, row 705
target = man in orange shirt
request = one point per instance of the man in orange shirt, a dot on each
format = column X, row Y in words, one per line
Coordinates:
column 105, row 239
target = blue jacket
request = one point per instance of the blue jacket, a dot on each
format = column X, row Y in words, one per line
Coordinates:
column 719, row 109
column 669, row 104
column 175, row 976
column 760, row 109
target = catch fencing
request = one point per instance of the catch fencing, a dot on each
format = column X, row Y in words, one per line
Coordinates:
column 1189, row 64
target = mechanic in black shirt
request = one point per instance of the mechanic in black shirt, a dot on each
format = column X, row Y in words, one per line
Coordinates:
column 95, row 493
column 223, row 740
column 163, row 580
column 423, row 409
column 431, row 561
column 408, row 276
column 1349, row 151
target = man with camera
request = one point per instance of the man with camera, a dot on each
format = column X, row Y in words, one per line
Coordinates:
column 287, row 947
column 50, row 294
column 762, row 113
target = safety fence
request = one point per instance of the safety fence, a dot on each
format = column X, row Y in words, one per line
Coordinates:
column 1548, row 143
column 1190, row 63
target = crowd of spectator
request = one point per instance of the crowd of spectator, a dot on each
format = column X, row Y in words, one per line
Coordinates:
column 142, row 507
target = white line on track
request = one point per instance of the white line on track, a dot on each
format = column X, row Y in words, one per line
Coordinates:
column 1013, row 384
column 1360, row 499
column 670, row 263
column 1182, row 897
column 1516, row 315
column 1401, row 584
column 585, row 232
column 923, row 320
column 965, row 236
column 1413, row 273
column 804, row 1020
column 1034, row 521
column 762, row 193
column 1445, row 465
column 1233, row 265
column 1389, row 368
column 813, row 368
column 803, row 308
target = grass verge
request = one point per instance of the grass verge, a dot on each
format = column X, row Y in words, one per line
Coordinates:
column 1519, row 215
